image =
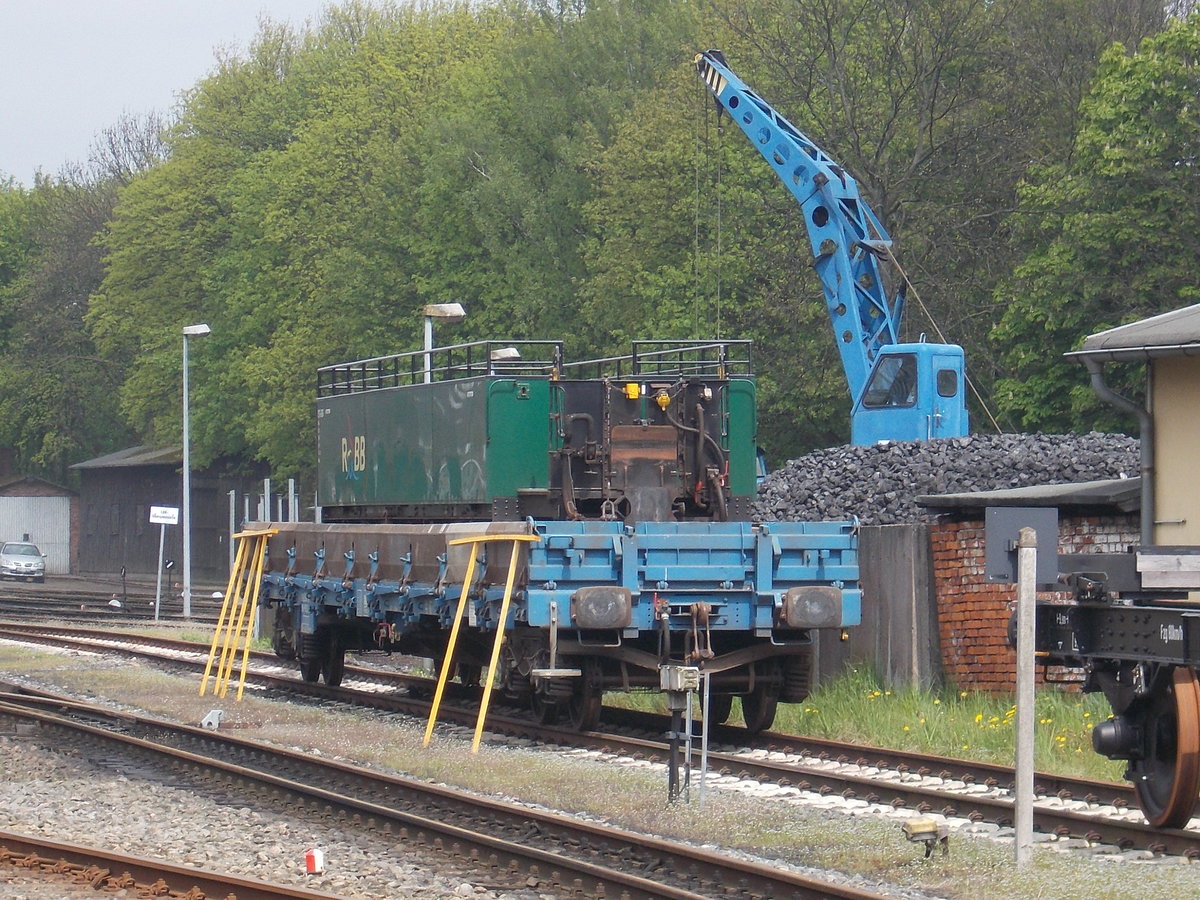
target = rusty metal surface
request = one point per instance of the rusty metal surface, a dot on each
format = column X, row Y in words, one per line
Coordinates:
column 108, row 871
column 415, row 547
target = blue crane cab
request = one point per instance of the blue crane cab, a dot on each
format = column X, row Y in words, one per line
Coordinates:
column 915, row 393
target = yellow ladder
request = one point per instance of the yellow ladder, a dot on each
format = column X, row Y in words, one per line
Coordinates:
column 447, row 661
column 238, row 609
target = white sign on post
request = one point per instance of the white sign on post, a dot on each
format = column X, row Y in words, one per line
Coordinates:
column 164, row 515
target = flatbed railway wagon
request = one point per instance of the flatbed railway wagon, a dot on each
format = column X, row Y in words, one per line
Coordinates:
column 624, row 488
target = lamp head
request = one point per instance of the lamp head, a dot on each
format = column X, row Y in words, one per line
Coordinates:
column 195, row 330
column 447, row 312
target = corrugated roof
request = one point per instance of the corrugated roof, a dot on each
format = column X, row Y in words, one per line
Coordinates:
column 1176, row 333
column 1124, row 494
column 142, row 455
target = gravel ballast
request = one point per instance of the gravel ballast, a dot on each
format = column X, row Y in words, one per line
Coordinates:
column 72, row 799
column 57, row 797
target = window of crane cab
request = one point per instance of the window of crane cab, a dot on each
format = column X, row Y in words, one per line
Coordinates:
column 947, row 383
column 894, row 382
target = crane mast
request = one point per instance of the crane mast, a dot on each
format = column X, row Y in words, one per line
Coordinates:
column 899, row 391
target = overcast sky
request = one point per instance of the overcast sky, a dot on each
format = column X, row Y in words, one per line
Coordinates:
column 71, row 68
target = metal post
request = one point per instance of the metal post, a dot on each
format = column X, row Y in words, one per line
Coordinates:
column 706, row 687
column 196, row 331
column 293, row 502
column 428, row 349
column 265, row 506
column 1026, row 600
column 673, row 752
column 187, row 493
column 162, row 540
column 233, row 529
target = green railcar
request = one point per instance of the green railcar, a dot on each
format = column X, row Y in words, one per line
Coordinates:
column 491, row 431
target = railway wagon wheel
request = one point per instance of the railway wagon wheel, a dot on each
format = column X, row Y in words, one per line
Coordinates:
column 1167, row 777
column 758, row 706
column 312, row 658
column 587, row 698
column 720, row 706
column 333, row 666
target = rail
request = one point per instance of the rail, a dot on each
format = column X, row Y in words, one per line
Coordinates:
column 714, row 359
column 534, row 359
column 451, row 363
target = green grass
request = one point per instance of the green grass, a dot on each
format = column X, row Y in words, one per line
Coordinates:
column 856, row 707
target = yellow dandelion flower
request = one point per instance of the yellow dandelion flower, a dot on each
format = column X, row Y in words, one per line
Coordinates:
column 978, row 717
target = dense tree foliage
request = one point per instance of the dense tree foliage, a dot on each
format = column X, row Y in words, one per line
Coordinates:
column 57, row 395
column 1113, row 228
column 557, row 168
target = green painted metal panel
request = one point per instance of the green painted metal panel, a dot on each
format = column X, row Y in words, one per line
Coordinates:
column 433, row 443
column 741, row 400
column 518, row 435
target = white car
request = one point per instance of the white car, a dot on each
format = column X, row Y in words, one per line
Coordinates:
column 19, row 559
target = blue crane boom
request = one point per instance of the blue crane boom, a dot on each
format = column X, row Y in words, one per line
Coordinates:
column 900, row 391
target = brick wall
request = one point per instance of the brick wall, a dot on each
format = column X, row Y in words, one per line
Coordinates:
column 973, row 613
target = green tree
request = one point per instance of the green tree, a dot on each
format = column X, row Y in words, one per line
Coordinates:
column 57, row 396
column 1114, row 229
column 281, row 219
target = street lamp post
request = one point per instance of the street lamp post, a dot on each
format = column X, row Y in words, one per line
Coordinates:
column 188, row 331
column 448, row 313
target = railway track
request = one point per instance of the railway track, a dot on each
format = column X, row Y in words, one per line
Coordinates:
column 62, row 600
column 511, row 841
column 111, row 872
column 876, row 779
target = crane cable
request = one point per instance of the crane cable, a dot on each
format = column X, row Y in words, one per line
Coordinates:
column 912, row 292
column 720, row 198
column 703, row 141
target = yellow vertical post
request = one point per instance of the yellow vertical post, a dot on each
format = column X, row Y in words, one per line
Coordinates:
column 236, row 615
column 447, row 661
column 448, row 656
column 491, row 675
column 260, row 561
column 225, row 602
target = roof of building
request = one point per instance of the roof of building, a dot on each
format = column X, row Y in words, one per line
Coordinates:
column 1123, row 494
column 142, row 455
column 19, row 485
column 1176, row 333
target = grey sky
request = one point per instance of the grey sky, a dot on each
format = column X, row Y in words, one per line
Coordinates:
column 71, row 68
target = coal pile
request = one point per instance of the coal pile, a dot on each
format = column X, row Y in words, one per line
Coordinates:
column 879, row 484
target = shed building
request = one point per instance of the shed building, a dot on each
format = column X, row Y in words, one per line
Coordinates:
column 43, row 512
column 116, row 493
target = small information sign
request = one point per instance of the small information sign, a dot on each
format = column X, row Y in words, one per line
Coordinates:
column 164, row 515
